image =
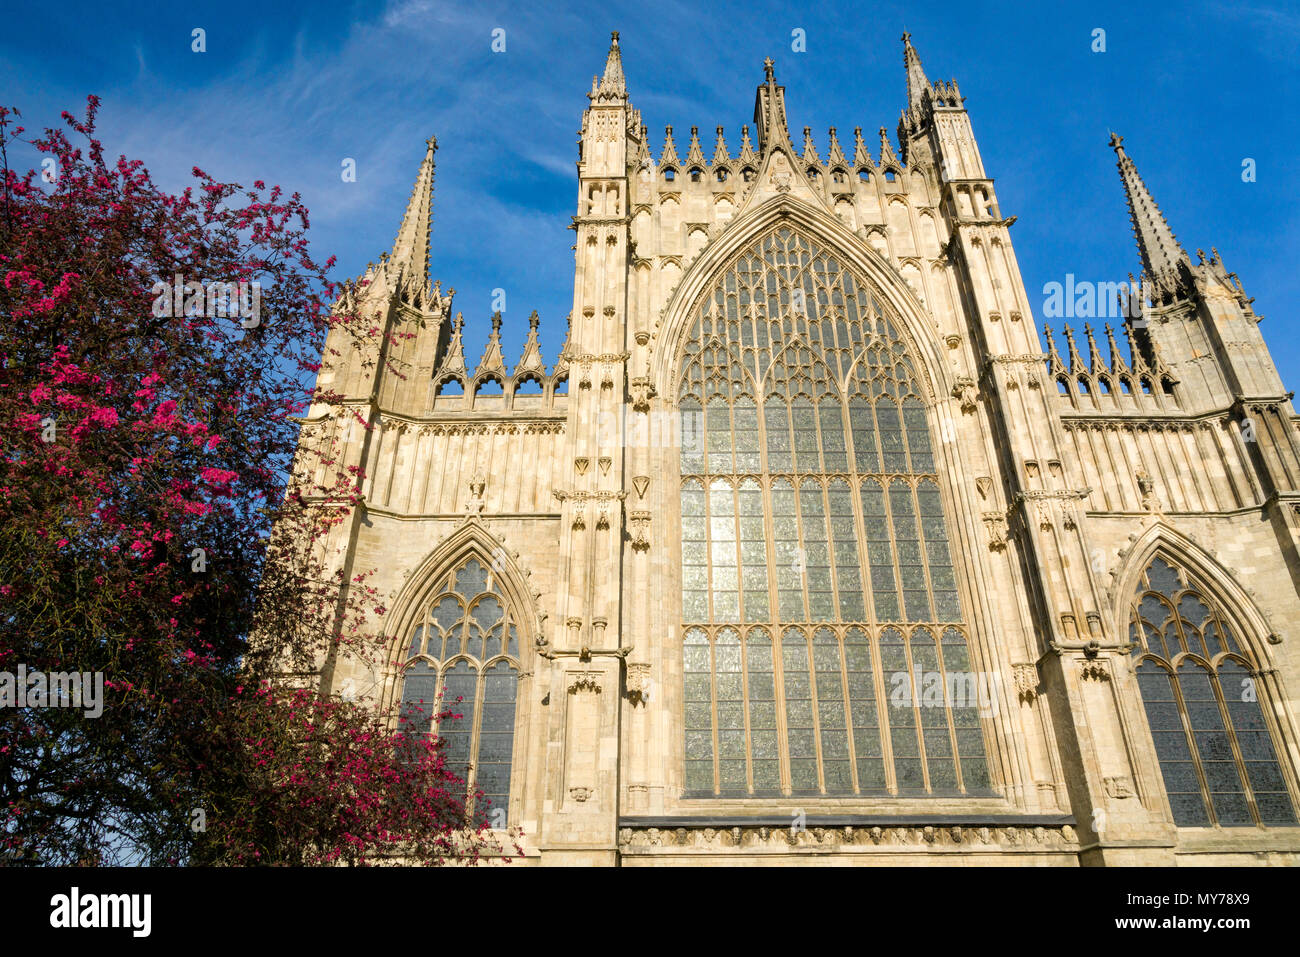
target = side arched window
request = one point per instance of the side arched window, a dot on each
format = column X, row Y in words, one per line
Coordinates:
column 465, row 646
column 825, row 650
column 1199, row 688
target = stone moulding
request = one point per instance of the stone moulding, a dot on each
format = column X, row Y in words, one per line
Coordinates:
column 921, row 833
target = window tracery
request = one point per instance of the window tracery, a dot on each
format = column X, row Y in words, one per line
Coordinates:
column 1201, row 696
column 819, row 593
column 465, row 644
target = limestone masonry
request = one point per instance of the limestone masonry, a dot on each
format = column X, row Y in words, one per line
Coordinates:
column 807, row 549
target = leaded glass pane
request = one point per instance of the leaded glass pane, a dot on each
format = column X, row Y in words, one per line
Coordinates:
column 459, row 693
column 419, row 698
column 864, row 435
column 933, row 709
column 970, row 696
column 776, row 418
column 836, row 770
column 805, row 435
column 745, row 415
column 907, row 545
column 817, row 559
column 699, row 710
column 799, row 727
column 695, row 562
column 723, row 556
column 899, row 683
column 943, row 581
column 729, row 689
column 848, row 574
column 862, row 701
column 471, row 578
column 893, row 455
column 753, row 552
column 718, row 436
column 497, row 734
column 830, row 416
column 918, row 435
column 764, row 747
column 789, row 554
column 880, row 551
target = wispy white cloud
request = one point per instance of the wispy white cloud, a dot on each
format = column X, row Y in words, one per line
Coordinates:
column 1276, row 27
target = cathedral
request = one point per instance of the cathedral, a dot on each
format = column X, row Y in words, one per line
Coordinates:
column 810, row 547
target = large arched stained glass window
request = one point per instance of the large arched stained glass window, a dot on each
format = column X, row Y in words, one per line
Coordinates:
column 465, row 643
column 824, row 646
column 1200, row 691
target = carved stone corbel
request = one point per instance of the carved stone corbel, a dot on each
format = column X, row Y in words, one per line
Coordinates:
column 638, row 682
column 965, row 391
column 996, row 525
column 640, row 521
column 1026, row 674
column 642, row 392
column 1094, row 670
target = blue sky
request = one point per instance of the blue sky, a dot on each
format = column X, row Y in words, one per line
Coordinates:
column 286, row 95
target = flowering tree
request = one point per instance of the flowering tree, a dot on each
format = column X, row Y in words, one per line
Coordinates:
column 154, row 352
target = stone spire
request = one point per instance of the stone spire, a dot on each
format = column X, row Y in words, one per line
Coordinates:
column 493, row 362
column 669, row 155
column 746, row 148
column 1095, row 361
column 769, row 110
column 1117, row 363
column 809, row 148
column 835, row 156
column 720, row 157
column 1160, row 252
column 531, row 361
column 887, row 157
column 452, row 365
column 917, row 83
column 861, row 155
column 612, row 84
column 694, row 155
column 411, row 248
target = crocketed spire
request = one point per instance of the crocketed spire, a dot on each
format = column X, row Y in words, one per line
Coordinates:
column 1161, row 254
column 411, row 247
column 613, row 83
column 917, row 83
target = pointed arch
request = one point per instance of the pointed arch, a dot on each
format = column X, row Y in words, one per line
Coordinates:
column 843, row 466
column 462, row 629
column 897, row 300
column 1212, row 578
column 471, row 539
column 1212, row 710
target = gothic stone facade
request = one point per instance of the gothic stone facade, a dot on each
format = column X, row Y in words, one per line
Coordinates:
column 806, row 550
